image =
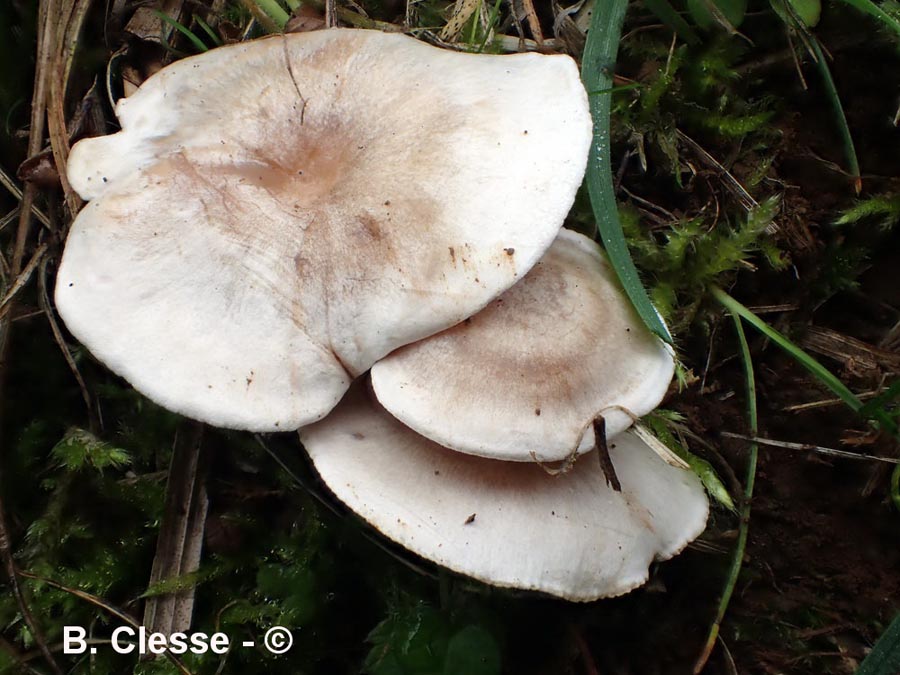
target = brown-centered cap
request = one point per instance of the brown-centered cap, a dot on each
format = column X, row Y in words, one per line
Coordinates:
column 525, row 378
column 276, row 216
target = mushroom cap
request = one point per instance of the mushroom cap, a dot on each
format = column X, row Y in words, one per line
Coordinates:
column 275, row 216
column 525, row 377
column 568, row 535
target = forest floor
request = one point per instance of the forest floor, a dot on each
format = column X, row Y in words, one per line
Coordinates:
column 696, row 130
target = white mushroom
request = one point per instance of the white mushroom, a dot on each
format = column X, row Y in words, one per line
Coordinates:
column 276, row 216
column 509, row 523
column 525, row 378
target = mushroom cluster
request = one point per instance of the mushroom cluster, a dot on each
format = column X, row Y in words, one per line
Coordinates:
column 276, row 218
column 444, row 454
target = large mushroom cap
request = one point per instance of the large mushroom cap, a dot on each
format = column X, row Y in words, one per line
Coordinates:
column 509, row 523
column 276, row 216
column 526, row 376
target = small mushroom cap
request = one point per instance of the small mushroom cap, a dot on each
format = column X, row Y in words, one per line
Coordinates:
column 526, row 376
column 275, row 216
column 509, row 524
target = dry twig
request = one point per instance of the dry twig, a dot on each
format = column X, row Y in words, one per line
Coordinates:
column 45, row 18
column 48, row 311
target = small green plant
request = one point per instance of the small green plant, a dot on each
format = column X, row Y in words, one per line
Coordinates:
column 417, row 639
column 689, row 256
column 659, row 422
column 799, row 17
column 884, row 210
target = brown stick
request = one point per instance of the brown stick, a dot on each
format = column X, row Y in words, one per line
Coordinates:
column 180, row 533
column 606, row 465
column 36, row 135
column 49, row 312
column 534, row 23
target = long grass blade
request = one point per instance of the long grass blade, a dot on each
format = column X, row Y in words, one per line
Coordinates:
column 184, row 30
column 597, row 73
column 885, row 656
column 667, row 14
column 492, row 22
column 216, row 40
column 749, row 483
column 839, row 115
column 874, row 10
column 819, row 371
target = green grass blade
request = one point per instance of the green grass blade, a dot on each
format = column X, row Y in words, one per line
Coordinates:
column 885, row 656
column 597, row 73
column 885, row 398
column 216, row 40
column 476, row 18
column 197, row 42
column 840, row 116
column 492, row 22
column 884, row 421
column 819, row 371
column 895, row 487
column 870, row 8
column 667, row 14
column 275, row 11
